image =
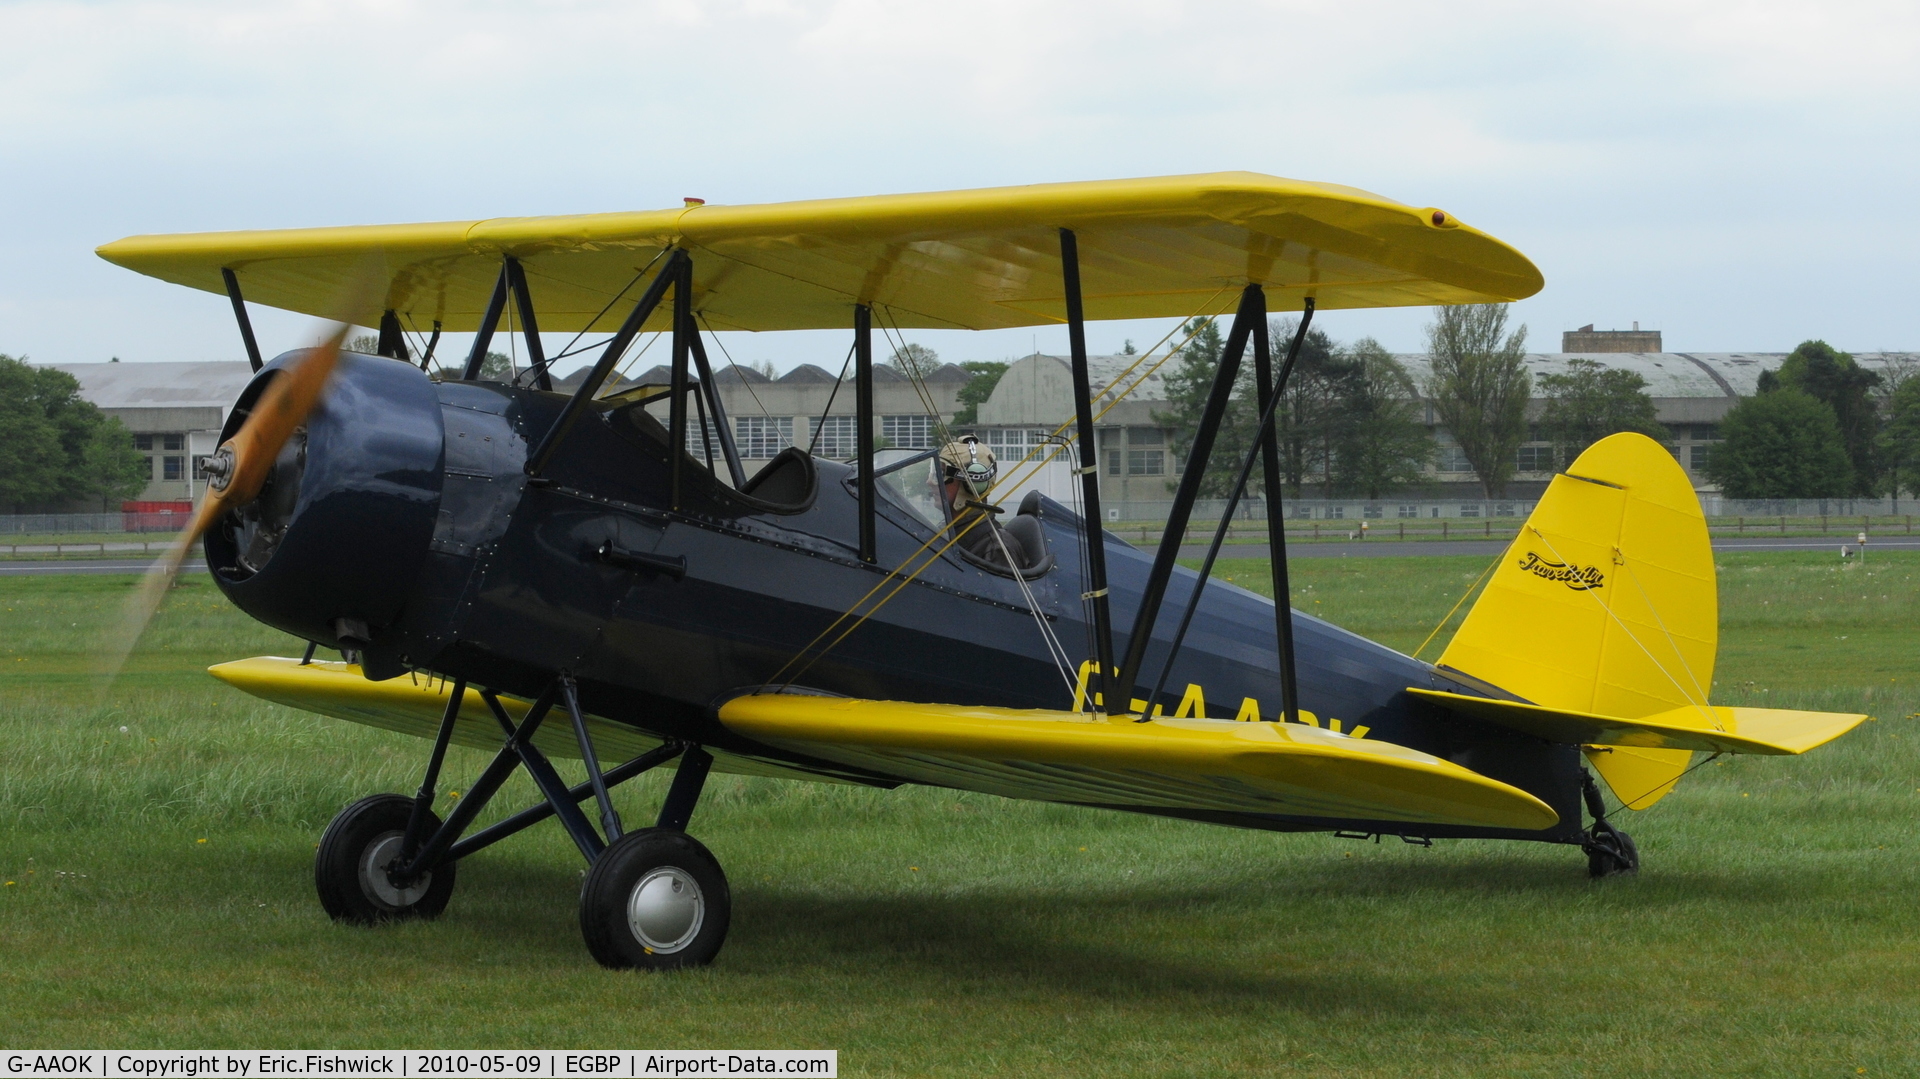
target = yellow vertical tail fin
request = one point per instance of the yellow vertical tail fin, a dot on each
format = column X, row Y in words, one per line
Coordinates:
column 1606, row 603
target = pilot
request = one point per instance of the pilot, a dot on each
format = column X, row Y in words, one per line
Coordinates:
column 966, row 470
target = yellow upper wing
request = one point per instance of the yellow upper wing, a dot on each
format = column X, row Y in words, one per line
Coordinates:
column 1205, row 764
column 981, row 259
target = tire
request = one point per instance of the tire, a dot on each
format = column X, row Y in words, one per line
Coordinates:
column 1613, row 859
column 655, row 900
column 349, row 870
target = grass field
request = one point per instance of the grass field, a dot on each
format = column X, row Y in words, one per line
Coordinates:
column 161, row 894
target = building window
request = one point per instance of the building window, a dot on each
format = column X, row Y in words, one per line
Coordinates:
column 833, row 436
column 1534, row 459
column 1409, row 511
column 1335, row 513
column 149, row 461
column 1011, row 445
column 143, row 442
column 1451, row 458
column 1370, row 512
column 173, row 468
column 173, row 442
column 1470, row 510
column 1113, row 462
column 1146, row 436
column 761, row 437
column 1503, row 509
column 907, row 432
column 1304, row 513
column 696, row 445
column 1699, row 456
column 1146, row 462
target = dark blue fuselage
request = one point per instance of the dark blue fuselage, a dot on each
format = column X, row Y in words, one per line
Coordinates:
column 461, row 565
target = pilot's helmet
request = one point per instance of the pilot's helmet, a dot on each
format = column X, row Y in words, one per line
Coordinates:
column 966, row 460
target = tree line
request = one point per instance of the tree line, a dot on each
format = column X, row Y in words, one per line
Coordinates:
column 55, row 447
column 1822, row 426
column 1353, row 421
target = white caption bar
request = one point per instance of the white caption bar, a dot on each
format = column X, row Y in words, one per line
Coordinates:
column 415, row 1064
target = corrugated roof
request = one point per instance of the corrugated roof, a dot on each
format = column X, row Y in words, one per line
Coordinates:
column 1675, row 374
column 806, row 373
column 207, row 384
column 1668, row 374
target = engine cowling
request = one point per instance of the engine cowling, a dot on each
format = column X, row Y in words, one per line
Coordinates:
column 331, row 547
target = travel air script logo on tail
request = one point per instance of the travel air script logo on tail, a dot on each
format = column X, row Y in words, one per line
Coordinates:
column 1578, row 578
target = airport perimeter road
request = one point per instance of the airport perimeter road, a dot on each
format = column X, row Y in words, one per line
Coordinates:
column 1488, row 548
column 1323, row 549
column 27, row 568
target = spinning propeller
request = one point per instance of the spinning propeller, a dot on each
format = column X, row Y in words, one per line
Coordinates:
column 237, row 471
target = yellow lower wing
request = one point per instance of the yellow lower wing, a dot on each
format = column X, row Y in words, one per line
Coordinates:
column 1166, row 763
column 1711, row 729
column 415, row 707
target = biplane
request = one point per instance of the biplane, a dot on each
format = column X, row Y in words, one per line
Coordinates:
column 491, row 555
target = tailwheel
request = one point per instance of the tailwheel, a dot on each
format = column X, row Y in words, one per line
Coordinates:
column 655, row 900
column 1610, row 851
column 350, row 871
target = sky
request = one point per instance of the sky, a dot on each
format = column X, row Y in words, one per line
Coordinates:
column 1740, row 176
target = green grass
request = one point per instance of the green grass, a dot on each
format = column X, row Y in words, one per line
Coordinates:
column 1772, row 931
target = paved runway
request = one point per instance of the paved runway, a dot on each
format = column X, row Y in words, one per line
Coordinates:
column 1355, row 549
column 1488, row 548
column 30, row 568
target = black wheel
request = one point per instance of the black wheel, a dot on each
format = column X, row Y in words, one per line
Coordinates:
column 655, row 900
column 1610, row 852
column 350, row 871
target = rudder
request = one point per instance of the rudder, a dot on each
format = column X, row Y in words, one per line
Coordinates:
column 1606, row 603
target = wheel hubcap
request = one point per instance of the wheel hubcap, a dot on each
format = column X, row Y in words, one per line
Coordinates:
column 665, row 910
column 380, row 854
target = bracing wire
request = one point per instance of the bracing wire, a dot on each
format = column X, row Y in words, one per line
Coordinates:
column 813, row 442
column 1007, row 480
column 1705, row 711
column 701, row 315
column 1484, row 574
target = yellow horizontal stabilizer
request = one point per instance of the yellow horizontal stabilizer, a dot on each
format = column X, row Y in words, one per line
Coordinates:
column 414, row 707
column 1206, row 764
column 1161, row 247
column 1710, row 729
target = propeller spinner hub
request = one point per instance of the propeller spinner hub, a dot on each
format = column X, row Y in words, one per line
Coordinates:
column 218, row 469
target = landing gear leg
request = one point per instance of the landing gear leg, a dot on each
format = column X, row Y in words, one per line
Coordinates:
column 1610, row 851
column 656, row 899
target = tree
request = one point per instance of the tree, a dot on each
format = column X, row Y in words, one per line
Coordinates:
column 1321, row 404
column 1187, row 388
column 1386, row 445
column 30, row 452
column 986, row 375
column 1480, row 387
column 914, row 361
column 56, row 447
column 366, row 343
column 1590, row 402
column 496, row 367
column 1832, row 378
column 110, row 468
column 1781, row 444
column 1899, row 446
